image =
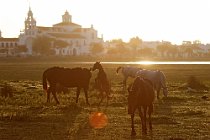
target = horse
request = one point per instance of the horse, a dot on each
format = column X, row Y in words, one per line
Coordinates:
column 66, row 77
column 127, row 71
column 141, row 97
column 158, row 79
column 102, row 82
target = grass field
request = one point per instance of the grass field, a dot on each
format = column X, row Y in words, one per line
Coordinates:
column 27, row 116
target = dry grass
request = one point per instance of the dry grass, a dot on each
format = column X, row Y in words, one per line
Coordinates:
column 26, row 115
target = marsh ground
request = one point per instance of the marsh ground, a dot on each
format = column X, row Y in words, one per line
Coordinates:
column 26, row 115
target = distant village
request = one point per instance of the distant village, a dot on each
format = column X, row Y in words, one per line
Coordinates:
column 70, row 39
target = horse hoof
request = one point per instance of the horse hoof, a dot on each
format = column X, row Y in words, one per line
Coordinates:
column 133, row 133
column 58, row 103
column 144, row 132
column 109, row 97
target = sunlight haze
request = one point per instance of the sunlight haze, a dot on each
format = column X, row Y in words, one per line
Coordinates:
column 150, row 20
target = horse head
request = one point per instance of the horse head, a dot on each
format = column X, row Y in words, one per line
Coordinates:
column 97, row 65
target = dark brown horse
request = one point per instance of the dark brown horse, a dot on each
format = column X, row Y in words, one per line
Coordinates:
column 66, row 77
column 102, row 82
column 141, row 97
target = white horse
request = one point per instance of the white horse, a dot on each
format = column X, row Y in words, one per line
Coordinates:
column 127, row 71
column 157, row 78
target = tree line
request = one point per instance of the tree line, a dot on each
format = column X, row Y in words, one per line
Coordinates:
column 135, row 47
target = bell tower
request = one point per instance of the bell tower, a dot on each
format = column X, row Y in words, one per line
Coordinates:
column 30, row 22
column 66, row 18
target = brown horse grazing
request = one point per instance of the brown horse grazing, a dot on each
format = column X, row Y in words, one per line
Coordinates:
column 101, row 81
column 141, row 96
column 66, row 77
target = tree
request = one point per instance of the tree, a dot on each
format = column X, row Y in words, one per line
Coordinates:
column 134, row 43
column 146, row 52
column 96, row 48
column 112, row 51
column 189, row 51
column 43, row 45
column 21, row 48
column 164, row 47
column 172, row 50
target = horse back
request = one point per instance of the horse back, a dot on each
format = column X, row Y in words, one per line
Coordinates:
column 68, row 77
column 146, row 92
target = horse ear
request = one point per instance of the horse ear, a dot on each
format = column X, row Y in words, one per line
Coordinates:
column 129, row 88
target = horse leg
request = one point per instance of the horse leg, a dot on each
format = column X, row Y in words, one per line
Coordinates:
column 141, row 115
column 158, row 92
column 124, row 84
column 102, row 98
column 86, row 95
column 48, row 94
column 107, row 97
column 149, row 113
column 78, row 92
column 144, row 120
column 133, row 132
column 54, row 94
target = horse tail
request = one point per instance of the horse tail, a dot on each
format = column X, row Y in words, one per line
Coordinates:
column 163, row 83
column 44, row 81
column 118, row 69
column 162, row 79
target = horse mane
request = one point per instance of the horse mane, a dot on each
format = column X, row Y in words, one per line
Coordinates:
column 162, row 78
column 149, row 81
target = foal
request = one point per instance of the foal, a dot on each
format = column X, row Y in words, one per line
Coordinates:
column 101, row 81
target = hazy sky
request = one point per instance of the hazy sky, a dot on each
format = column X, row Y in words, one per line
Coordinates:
column 150, row 20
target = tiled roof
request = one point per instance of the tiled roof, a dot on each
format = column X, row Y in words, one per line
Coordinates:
column 41, row 28
column 44, row 28
column 66, row 24
column 60, row 35
column 9, row 39
column 77, row 30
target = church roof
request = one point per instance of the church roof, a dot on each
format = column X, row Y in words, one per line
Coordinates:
column 41, row 28
column 61, row 35
column 9, row 39
column 66, row 24
column 77, row 30
column 44, row 28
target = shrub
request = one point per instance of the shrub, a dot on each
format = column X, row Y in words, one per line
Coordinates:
column 6, row 90
column 194, row 83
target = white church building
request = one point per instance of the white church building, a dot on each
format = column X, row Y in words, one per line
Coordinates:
column 78, row 39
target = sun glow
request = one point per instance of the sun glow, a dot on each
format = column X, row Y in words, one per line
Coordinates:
column 151, row 20
column 146, row 62
column 98, row 120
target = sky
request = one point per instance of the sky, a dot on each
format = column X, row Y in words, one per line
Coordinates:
column 150, row 20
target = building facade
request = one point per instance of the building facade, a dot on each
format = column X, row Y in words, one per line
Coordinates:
column 78, row 39
column 8, row 46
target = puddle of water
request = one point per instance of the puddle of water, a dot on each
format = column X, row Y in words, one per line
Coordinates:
column 152, row 62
